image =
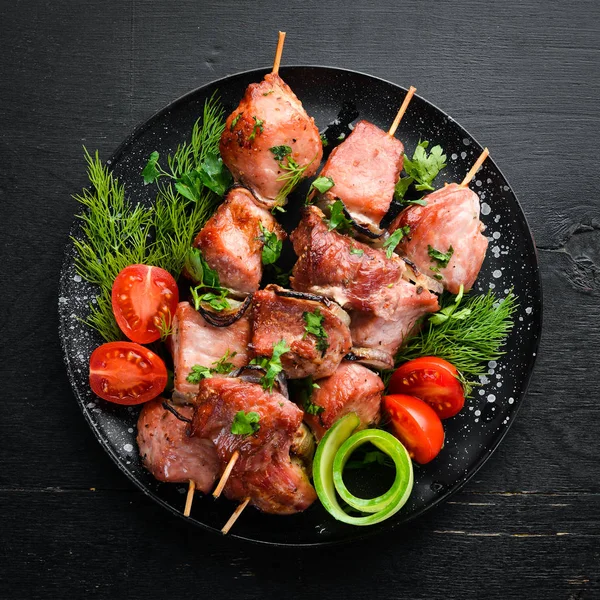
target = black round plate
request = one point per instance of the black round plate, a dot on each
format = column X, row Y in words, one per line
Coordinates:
column 511, row 262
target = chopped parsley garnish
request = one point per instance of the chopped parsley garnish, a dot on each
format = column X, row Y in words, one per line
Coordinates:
column 314, row 326
column 235, row 121
column 272, row 365
column 306, row 387
column 282, row 277
column 401, row 189
column 324, row 140
column 245, row 423
column 424, row 167
column 394, row 239
column 199, row 271
column 322, row 184
column 258, row 126
column 267, row 93
column 356, row 251
column 198, row 373
column 280, row 152
column 221, row 366
column 442, row 258
column 272, row 245
column 216, row 301
column 210, row 173
column 337, row 219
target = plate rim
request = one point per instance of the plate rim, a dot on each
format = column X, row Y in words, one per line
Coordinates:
column 365, row 532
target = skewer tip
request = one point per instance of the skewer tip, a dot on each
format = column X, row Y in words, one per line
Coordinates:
column 402, row 110
column 234, row 517
column 278, row 52
column 473, row 170
column 189, row 499
column 226, row 474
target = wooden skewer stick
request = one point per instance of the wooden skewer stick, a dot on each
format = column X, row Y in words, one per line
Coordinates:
column 402, row 110
column 475, row 168
column 234, row 517
column 189, row 499
column 226, row 474
column 278, row 52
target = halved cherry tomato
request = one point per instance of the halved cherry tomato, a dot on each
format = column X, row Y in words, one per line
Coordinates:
column 432, row 379
column 126, row 373
column 416, row 425
column 144, row 300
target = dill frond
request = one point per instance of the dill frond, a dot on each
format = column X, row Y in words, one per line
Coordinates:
column 469, row 342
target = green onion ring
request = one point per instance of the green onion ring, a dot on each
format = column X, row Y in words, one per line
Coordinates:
column 335, row 449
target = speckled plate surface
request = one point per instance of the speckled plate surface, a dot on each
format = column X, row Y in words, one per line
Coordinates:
column 511, row 261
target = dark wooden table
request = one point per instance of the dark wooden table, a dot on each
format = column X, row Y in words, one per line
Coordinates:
column 522, row 76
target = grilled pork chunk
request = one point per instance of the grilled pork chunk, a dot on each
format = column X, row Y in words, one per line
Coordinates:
column 355, row 275
column 448, row 224
column 169, row 454
column 352, row 388
column 264, row 471
column 269, row 116
column 232, row 241
column 365, row 169
column 276, row 317
column 369, row 331
column 196, row 342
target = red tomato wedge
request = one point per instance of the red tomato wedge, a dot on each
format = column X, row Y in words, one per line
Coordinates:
column 432, row 379
column 126, row 373
column 416, row 425
column 144, row 300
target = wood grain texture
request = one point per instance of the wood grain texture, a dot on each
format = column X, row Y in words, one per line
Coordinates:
column 521, row 76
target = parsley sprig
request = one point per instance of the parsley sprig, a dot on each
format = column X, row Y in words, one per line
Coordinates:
column 424, row 167
column 314, row 326
column 337, row 219
column 305, row 388
column 205, row 277
column 272, row 365
column 221, row 366
column 441, row 258
column 392, row 242
column 272, row 245
column 245, row 423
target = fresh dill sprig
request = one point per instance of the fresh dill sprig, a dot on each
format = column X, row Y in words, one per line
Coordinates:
column 293, row 175
column 468, row 342
column 116, row 233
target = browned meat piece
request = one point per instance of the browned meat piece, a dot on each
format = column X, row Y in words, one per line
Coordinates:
column 352, row 388
column 264, row 471
column 196, row 342
column 169, row 454
column 365, row 169
column 332, row 265
column 231, row 241
column 369, row 331
column 268, row 116
column 276, row 317
column 449, row 221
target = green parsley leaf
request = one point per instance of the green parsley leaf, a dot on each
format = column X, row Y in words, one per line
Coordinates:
column 272, row 366
column 198, row 270
column 258, row 126
column 337, row 219
column 394, row 239
column 442, row 258
column 322, row 184
column 235, row 121
column 222, row 366
column 267, row 93
column 423, row 167
column 324, row 140
column 282, row 277
column 272, row 245
column 280, row 152
column 314, row 326
column 245, row 423
column 151, row 172
column 400, row 191
column 304, row 388
column 214, row 175
column 198, row 373
column 356, row 251
column 217, row 301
